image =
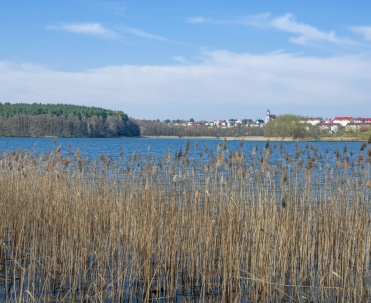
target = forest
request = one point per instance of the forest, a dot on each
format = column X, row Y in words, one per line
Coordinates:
column 63, row 120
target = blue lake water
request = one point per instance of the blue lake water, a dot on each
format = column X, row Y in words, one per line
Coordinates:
column 95, row 147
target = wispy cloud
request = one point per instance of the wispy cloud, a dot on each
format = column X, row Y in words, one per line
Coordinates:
column 98, row 30
column 306, row 33
column 142, row 34
column 365, row 31
column 94, row 29
column 223, row 84
column 199, row 20
column 286, row 23
column 255, row 20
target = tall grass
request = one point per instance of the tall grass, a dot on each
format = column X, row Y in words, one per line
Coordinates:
column 196, row 225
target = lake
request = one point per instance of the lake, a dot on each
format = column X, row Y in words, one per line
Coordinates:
column 95, row 147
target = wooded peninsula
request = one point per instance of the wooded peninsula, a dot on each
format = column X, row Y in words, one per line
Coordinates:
column 63, row 120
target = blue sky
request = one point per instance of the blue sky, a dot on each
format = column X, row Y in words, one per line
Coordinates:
column 181, row 59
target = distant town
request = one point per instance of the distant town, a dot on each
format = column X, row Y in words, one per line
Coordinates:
column 329, row 125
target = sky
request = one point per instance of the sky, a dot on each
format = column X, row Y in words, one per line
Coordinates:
column 206, row 60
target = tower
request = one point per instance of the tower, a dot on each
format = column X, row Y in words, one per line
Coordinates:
column 267, row 116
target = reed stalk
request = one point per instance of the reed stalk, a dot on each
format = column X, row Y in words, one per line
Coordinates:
column 209, row 226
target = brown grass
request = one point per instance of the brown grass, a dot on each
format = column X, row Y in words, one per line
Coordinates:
column 226, row 227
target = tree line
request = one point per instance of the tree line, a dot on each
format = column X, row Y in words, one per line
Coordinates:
column 63, row 120
column 283, row 126
column 157, row 128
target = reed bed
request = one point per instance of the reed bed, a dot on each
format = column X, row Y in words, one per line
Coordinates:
column 193, row 226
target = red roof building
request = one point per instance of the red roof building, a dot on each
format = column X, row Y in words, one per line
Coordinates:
column 343, row 120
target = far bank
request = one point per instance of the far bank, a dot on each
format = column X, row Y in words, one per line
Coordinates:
column 262, row 138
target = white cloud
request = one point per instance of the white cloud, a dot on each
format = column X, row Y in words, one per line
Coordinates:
column 95, row 29
column 142, row 34
column 306, row 32
column 365, row 31
column 255, row 20
column 223, row 85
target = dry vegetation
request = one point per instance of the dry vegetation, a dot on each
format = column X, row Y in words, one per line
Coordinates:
column 194, row 226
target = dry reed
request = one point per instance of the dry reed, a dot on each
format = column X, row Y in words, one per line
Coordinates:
column 218, row 227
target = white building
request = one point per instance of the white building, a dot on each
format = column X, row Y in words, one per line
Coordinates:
column 268, row 116
column 343, row 121
column 330, row 126
column 314, row 121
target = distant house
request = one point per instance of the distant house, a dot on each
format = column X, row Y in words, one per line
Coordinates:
column 359, row 120
column 343, row 120
column 220, row 123
column 201, row 123
column 231, row 122
column 330, row 126
column 356, row 126
column 260, row 122
column 314, row 121
column 247, row 122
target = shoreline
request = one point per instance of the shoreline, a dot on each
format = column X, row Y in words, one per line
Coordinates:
column 261, row 138
column 228, row 138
